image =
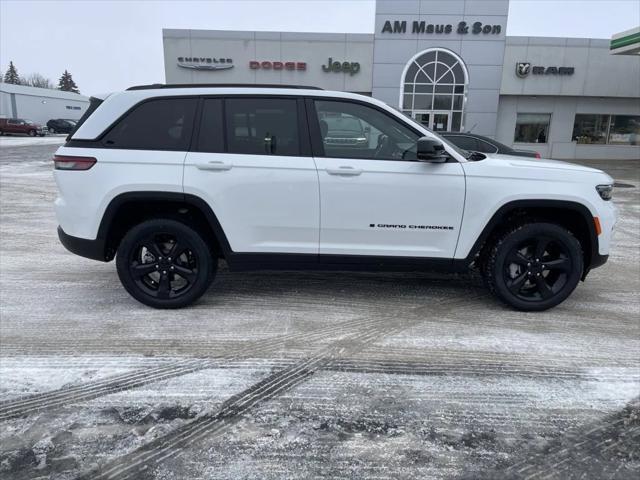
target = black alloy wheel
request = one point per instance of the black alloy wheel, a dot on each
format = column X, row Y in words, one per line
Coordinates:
column 534, row 266
column 165, row 264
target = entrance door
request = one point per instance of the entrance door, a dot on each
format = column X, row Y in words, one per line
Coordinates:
column 434, row 120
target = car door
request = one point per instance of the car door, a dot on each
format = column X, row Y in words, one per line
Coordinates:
column 252, row 164
column 376, row 198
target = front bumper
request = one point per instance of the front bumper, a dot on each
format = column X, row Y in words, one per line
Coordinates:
column 93, row 249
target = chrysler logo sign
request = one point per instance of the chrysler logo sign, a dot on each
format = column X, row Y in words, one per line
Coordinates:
column 205, row 63
column 523, row 69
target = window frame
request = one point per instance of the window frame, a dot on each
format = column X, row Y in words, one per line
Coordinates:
column 303, row 130
column 315, row 134
column 548, row 130
column 98, row 142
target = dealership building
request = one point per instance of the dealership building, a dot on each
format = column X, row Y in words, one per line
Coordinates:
column 40, row 104
column 449, row 65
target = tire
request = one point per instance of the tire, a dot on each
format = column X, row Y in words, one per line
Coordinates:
column 533, row 266
column 155, row 273
column 52, row 131
column 32, row 133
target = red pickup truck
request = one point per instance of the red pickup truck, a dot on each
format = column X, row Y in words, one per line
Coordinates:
column 19, row 125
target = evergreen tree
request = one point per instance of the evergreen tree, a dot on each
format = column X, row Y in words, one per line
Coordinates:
column 67, row 84
column 12, row 75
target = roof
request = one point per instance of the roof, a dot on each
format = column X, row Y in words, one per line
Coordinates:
column 41, row 92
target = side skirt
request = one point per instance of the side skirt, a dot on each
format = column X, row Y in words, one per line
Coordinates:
column 243, row 262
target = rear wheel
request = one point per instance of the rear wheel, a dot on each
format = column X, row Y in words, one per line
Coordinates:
column 32, row 133
column 534, row 266
column 165, row 264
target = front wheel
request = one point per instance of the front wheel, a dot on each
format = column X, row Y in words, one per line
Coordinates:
column 534, row 266
column 32, row 133
column 52, row 131
column 165, row 264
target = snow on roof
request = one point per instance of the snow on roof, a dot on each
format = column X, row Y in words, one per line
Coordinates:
column 41, row 92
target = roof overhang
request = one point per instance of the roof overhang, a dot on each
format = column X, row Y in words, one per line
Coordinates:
column 626, row 43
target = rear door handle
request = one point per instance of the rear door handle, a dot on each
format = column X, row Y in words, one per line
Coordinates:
column 344, row 170
column 214, row 165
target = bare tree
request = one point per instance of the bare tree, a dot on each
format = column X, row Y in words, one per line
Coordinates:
column 37, row 80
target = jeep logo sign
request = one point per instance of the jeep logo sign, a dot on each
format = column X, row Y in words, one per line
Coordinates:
column 346, row 67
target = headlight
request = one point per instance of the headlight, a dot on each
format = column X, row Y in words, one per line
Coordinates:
column 605, row 191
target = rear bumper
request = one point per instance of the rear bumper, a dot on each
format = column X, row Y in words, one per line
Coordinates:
column 93, row 249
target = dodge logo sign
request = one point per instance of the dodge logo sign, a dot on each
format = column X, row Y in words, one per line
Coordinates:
column 277, row 65
column 523, row 69
column 205, row 63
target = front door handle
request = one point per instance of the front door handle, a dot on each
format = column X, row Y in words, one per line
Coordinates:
column 344, row 170
column 214, row 165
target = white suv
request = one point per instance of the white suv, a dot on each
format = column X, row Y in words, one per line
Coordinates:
column 175, row 177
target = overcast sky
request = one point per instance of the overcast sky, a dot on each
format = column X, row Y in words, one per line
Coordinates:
column 110, row 45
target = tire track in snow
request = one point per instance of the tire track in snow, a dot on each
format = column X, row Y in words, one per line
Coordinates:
column 173, row 444
column 140, row 377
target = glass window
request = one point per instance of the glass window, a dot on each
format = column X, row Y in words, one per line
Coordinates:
column 210, row 136
column 351, row 130
column 463, row 141
column 262, row 126
column 162, row 124
column 590, row 128
column 532, row 127
column 486, row 147
column 624, row 130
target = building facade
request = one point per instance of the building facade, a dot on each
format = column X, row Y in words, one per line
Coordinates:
column 40, row 104
column 449, row 65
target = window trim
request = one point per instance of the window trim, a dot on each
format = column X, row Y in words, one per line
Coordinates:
column 314, row 126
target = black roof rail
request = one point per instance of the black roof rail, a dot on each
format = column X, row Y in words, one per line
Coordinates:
column 219, row 85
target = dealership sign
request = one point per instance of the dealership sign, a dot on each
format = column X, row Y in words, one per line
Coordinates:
column 346, row 67
column 205, row 63
column 276, row 65
column 523, row 69
column 422, row 27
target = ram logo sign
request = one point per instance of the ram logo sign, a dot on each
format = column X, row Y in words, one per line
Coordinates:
column 523, row 69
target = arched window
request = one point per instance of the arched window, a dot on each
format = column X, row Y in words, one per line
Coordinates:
column 434, row 86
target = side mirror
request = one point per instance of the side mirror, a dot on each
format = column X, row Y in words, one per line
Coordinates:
column 430, row 150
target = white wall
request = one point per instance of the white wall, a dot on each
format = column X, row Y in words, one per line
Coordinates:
column 40, row 104
column 243, row 47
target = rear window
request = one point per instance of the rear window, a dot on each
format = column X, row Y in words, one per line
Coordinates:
column 159, row 124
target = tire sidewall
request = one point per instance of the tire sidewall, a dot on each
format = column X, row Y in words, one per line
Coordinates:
column 207, row 265
column 518, row 236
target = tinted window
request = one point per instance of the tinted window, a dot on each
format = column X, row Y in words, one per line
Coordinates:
column 262, row 126
column 210, row 138
column 162, row 124
column 463, row 141
column 486, row 147
column 353, row 130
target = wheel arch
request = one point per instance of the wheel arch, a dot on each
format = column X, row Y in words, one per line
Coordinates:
column 574, row 216
column 130, row 208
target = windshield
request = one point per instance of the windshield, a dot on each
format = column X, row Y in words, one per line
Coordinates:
column 343, row 123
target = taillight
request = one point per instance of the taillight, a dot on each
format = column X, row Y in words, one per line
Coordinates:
column 538, row 155
column 67, row 162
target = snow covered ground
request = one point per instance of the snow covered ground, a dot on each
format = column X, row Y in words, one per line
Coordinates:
column 25, row 141
column 307, row 375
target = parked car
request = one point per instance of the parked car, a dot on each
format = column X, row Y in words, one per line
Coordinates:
column 479, row 143
column 19, row 125
column 174, row 178
column 61, row 125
